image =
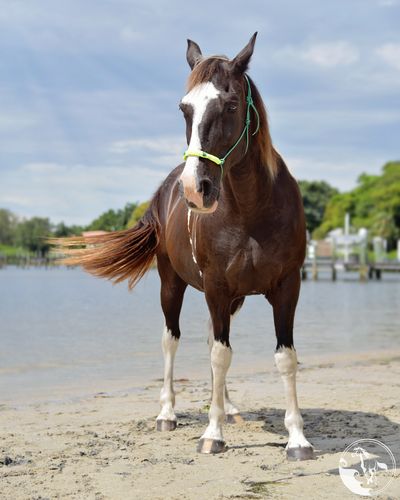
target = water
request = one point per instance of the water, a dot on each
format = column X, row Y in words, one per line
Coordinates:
column 63, row 330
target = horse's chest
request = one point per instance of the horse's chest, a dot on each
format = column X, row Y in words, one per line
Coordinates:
column 251, row 269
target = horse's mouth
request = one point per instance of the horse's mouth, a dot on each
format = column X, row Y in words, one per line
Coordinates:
column 204, row 210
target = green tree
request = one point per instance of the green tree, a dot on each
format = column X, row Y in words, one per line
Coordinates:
column 113, row 220
column 107, row 221
column 8, row 225
column 138, row 213
column 32, row 234
column 374, row 204
column 61, row 230
column 334, row 213
column 316, row 195
column 126, row 214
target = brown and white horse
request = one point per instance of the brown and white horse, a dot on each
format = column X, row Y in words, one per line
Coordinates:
column 228, row 221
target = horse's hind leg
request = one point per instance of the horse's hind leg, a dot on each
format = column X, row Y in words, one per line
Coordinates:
column 284, row 301
column 172, row 291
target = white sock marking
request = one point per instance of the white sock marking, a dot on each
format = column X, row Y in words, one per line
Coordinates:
column 230, row 408
column 286, row 362
column 167, row 395
column 221, row 357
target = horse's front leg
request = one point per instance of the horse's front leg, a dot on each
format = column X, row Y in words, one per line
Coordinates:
column 297, row 448
column 172, row 291
column 232, row 413
column 212, row 441
column 284, row 301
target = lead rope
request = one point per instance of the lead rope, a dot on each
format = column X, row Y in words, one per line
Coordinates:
column 221, row 161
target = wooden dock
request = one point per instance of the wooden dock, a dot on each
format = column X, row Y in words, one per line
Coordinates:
column 372, row 270
column 320, row 264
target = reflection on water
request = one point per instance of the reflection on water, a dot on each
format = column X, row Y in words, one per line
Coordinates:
column 64, row 328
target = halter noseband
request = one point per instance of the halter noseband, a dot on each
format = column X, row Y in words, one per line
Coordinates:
column 245, row 131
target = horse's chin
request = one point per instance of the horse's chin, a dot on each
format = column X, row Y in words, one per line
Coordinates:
column 205, row 211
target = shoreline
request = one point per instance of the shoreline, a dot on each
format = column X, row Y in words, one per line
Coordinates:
column 69, row 393
column 74, row 393
column 105, row 445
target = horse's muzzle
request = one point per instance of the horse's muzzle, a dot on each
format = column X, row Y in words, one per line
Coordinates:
column 200, row 196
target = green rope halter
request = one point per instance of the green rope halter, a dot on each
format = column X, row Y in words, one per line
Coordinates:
column 245, row 132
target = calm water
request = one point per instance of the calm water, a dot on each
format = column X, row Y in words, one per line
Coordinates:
column 64, row 329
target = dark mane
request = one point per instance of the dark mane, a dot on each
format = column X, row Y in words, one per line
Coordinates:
column 204, row 71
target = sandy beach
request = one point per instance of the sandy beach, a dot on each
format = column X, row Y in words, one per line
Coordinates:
column 105, row 446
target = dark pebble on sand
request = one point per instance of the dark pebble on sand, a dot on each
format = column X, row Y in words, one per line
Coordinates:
column 6, row 460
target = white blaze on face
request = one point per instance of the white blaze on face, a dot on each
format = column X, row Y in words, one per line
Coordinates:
column 199, row 98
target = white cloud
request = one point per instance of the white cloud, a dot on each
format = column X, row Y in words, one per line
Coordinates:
column 16, row 121
column 128, row 34
column 324, row 54
column 340, row 173
column 162, row 152
column 170, row 145
column 331, row 54
column 42, row 168
column 390, row 54
column 388, row 3
column 75, row 193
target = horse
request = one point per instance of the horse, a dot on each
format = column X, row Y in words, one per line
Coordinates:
column 228, row 221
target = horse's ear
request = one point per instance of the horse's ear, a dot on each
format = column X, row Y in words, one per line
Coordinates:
column 193, row 54
column 241, row 62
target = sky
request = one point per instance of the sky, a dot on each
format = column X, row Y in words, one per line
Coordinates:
column 89, row 92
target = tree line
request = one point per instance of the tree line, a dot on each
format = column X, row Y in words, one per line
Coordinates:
column 31, row 234
column 374, row 203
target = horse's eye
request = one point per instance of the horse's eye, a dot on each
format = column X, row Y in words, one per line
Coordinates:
column 232, row 108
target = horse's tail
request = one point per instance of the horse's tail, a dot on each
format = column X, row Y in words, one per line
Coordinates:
column 119, row 255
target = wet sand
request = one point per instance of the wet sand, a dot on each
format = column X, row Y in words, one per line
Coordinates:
column 105, row 446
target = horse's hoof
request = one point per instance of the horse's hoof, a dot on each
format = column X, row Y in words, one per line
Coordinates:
column 300, row 453
column 236, row 418
column 211, row 446
column 166, row 425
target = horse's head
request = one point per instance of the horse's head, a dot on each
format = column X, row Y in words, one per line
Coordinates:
column 216, row 108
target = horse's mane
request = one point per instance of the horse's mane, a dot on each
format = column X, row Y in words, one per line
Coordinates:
column 204, row 71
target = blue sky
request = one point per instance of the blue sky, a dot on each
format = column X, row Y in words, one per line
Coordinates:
column 89, row 92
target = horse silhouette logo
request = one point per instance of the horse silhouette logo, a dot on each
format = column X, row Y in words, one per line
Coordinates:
column 367, row 467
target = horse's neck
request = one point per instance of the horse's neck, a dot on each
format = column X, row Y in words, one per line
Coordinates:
column 248, row 186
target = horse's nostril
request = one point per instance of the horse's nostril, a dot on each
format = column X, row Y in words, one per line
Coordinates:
column 205, row 187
